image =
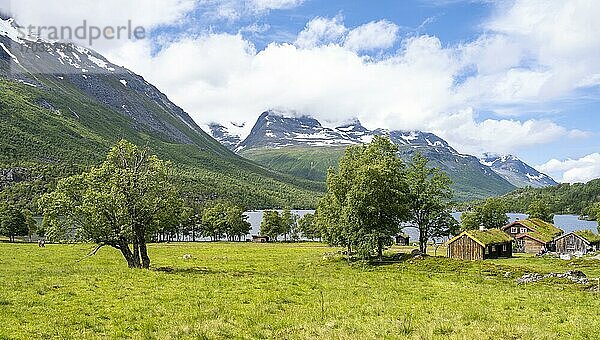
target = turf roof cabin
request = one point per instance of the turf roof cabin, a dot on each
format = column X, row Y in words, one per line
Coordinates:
column 532, row 235
column 581, row 241
column 402, row 239
column 480, row 245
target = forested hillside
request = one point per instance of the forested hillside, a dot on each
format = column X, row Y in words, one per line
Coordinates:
column 562, row 199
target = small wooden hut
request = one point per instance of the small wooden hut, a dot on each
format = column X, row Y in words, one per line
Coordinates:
column 581, row 241
column 260, row 239
column 402, row 239
column 480, row 245
column 532, row 235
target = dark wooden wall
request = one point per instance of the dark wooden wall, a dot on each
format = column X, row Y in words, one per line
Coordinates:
column 498, row 250
column 465, row 248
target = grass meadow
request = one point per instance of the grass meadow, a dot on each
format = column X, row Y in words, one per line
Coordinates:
column 243, row 290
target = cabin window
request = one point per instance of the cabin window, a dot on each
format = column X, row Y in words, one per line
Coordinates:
column 487, row 250
column 523, row 230
column 493, row 248
column 504, row 247
column 514, row 230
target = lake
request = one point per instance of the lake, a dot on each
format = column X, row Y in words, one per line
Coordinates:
column 568, row 223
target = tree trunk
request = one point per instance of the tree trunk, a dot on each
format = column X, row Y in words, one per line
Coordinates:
column 127, row 254
column 379, row 250
column 136, row 252
column 144, row 255
column 422, row 240
column 142, row 250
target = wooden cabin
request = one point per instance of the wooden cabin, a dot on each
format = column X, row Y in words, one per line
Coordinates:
column 480, row 245
column 260, row 239
column 402, row 239
column 581, row 241
column 532, row 235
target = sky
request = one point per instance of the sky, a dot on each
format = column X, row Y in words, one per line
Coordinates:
column 519, row 77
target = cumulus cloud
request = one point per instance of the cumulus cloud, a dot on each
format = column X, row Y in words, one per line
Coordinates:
column 222, row 77
column 477, row 137
column 579, row 170
column 321, row 31
column 559, row 36
column 371, row 36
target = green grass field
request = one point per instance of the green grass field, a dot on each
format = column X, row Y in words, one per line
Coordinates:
column 284, row 291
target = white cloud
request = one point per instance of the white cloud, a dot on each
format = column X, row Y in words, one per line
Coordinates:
column 476, row 137
column 321, row 31
column 579, row 170
column 371, row 36
column 561, row 36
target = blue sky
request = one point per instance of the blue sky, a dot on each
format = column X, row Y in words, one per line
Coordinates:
column 511, row 76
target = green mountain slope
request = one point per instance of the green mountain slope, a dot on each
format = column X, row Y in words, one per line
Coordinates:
column 58, row 118
column 311, row 163
column 470, row 182
column 50, row 144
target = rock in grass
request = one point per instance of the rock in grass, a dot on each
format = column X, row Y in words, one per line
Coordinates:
column 187, row 257
column 575, row 276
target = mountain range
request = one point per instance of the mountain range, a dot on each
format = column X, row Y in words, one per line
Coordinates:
column 63, row 106
column 300, row 145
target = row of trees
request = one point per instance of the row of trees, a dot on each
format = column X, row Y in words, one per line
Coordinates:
column 373, row 193
column 289, row 225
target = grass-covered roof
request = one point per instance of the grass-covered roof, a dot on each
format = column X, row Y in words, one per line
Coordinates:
column 490, row 236
column 485, row 237
column 588, row 235
column 541, row 227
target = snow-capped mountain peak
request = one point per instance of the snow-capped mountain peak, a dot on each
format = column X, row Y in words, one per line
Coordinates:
column 279, row 128
column 516, row 171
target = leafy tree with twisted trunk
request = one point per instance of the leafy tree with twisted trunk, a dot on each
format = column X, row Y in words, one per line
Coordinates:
column 120, row 204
